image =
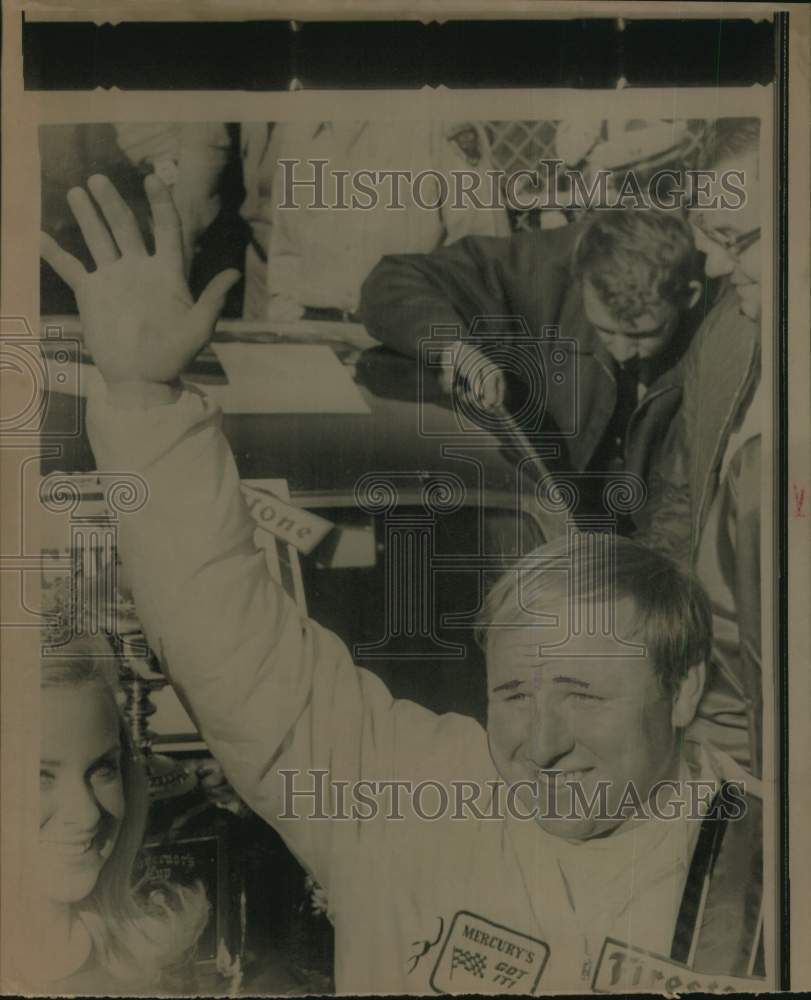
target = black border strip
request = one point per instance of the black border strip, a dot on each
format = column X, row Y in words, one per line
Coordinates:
column 269, row 55
column 275, row 55
column 780, row 529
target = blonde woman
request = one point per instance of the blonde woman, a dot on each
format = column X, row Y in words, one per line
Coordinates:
column 90, row 928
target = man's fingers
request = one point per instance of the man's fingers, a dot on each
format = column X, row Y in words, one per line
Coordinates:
column 212, row 299
column 492, row 388
column 209, row 306
column 66, row 266
column 96, row 234
column 118, row 214
column 480, row 377
column 484, row 391
column 168, row 233
column 447, row 378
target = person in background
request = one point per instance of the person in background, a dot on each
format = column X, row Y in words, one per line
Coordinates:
column 319, row 257
column 619, row 285
column 646, row 148
column 214, row 173
column 68, row 154
column 312, row 257
column 85, row 926
column 704, row 506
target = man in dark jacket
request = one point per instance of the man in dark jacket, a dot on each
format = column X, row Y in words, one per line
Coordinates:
column 618, row 287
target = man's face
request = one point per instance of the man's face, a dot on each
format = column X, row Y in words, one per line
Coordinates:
column 596, row 714
column 730, row 238
column 644, row 337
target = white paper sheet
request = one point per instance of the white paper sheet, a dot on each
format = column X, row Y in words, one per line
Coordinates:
column 284, row 378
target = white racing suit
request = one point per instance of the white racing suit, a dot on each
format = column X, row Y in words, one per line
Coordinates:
column 418, row 906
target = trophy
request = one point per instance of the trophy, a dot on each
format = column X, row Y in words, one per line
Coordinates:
column 140, row 676
column 91, row 604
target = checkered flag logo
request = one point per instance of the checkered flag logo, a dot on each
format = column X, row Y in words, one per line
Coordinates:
column 471, row 961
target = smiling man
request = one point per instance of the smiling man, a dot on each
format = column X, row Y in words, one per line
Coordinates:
column 596, row 719
column 620, row 286
column 595, row 667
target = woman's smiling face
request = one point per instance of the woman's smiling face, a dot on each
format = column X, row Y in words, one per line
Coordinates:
column 82, row 800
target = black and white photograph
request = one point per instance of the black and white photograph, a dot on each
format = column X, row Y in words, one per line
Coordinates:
column 405, row 508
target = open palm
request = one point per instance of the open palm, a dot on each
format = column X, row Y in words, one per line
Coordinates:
column 139, row 320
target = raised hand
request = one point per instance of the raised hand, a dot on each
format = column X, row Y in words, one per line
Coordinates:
column 140, row 322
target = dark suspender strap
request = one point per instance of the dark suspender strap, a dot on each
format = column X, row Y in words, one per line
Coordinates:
column 759, row 956
column 330, row 314
column 706, row 851
column 727, row 932
column 260, row 250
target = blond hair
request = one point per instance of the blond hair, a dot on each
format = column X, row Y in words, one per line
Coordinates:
column 136, row 937
column 672, row 610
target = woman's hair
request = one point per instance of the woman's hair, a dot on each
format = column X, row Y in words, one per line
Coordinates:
column 672, row 612
column 134, row 937
column 635, row 258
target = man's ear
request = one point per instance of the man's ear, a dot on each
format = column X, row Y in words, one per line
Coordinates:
column 688, row 696
column 692, row 293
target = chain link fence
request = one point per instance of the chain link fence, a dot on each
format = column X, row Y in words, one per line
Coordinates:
column 521, row 145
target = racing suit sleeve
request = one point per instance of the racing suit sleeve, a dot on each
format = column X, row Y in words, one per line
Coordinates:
column 269, row 688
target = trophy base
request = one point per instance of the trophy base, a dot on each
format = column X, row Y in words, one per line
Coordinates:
column 168, row 778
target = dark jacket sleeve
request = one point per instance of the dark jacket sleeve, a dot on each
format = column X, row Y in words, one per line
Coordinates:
column 407, row 294
column 526, row 275
column 744, row 484
column 665, row 522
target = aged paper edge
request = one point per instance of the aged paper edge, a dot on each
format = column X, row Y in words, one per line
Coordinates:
column 18, row 795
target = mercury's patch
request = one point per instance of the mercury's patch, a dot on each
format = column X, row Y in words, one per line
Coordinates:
column 479, row 956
